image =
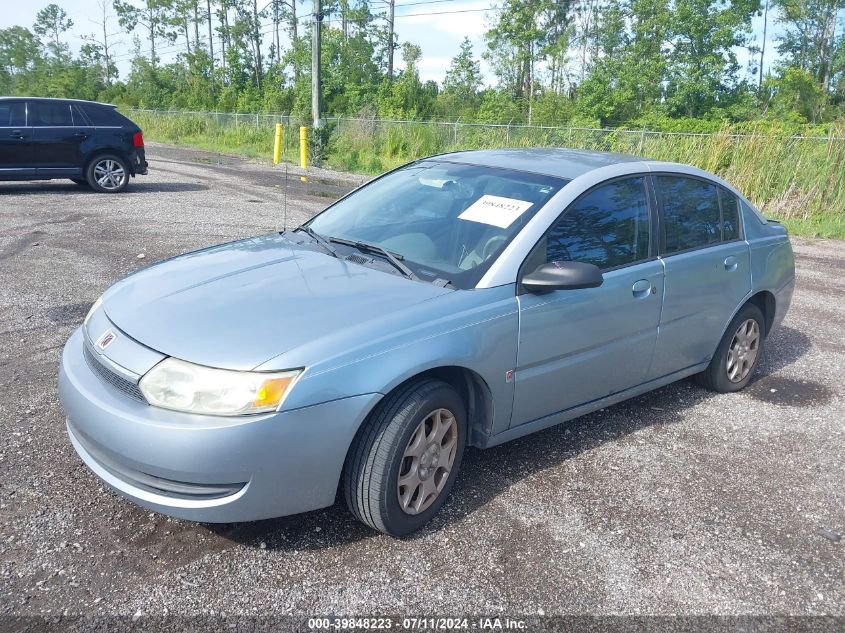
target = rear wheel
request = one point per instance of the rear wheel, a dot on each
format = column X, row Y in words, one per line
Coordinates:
column 738, row 354
column 107, row 173
column 406, row 457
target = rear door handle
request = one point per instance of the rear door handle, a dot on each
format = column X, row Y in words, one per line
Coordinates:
column 16, row 134
column 731, row 263
column 642, row 288
column 81, row 135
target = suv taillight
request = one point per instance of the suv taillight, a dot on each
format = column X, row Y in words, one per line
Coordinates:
column 138, row 139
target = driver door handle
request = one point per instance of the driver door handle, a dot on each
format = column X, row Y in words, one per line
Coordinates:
column 16, row 134
column 642, row 288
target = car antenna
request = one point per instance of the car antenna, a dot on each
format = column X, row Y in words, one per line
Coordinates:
column 285, row 212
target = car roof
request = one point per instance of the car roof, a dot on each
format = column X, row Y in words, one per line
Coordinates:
column 23, row 98
column 550, row 161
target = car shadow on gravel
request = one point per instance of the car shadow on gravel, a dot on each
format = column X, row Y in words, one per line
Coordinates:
column 74, row 189
column 485, row 474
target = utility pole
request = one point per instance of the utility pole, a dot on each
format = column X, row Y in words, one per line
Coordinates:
column 390, row 20
column 210, row 40
column 315, row 63
column 294, row 36
column 763, row 46
column 256, row 38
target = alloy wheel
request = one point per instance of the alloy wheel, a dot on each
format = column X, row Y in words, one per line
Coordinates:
column 109, row 174
column 427, row 461
column 743, row 350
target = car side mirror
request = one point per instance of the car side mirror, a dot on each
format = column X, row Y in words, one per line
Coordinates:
column 563, row 276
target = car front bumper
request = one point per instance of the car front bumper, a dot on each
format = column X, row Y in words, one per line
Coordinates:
column 207, row 468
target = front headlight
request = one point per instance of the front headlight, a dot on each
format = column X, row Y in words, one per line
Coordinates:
column 176, row 384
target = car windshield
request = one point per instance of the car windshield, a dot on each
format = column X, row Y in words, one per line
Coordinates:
column 447, row 221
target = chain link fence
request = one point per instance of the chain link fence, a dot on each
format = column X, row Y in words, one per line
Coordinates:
column 788, row 176
column 456, row 131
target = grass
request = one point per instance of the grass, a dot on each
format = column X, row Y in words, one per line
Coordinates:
column 798, row 181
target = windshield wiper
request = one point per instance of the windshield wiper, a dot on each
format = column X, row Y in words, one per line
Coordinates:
column 393, row 258
column 322, row 241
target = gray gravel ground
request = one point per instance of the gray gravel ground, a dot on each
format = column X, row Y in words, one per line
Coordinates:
column 677, row 502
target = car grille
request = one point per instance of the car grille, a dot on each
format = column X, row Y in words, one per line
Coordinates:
column 114, row 380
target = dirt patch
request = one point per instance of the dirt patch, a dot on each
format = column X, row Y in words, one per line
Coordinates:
column 789, row 392
column 69, row 313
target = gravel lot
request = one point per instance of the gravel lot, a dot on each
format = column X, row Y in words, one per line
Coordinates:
column 677, row 502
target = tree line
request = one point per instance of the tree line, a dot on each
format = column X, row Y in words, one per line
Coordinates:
column 658, row 63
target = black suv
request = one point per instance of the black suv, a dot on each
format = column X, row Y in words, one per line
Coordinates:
column 90, row 143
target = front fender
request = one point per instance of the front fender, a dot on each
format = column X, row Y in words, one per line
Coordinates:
column 476, row 330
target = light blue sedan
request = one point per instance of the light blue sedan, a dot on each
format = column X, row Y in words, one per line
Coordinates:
column 464, row 299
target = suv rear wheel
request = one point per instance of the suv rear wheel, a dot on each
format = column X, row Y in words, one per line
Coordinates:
column 107, row 173
column 406, row 457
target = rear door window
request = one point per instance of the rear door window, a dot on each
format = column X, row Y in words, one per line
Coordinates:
column 47, row 114
column 12, row 114
column 691, row 215
column 79, row 118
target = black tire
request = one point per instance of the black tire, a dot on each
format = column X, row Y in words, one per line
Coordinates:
column 92, row 172
column 716, row 377
column 80, row 181
column 371, row 472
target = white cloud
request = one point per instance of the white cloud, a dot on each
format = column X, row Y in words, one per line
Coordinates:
column 440, row 34
column 433, row 67
column 473, row 24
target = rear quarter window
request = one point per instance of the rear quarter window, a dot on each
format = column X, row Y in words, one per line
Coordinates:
column 730, row 216
column 750, row 209
column 104, row 116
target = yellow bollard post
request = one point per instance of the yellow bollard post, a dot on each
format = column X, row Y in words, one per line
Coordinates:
column 277, row 146
column 303, row 150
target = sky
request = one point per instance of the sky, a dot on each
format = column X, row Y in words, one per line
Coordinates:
column 437, row 26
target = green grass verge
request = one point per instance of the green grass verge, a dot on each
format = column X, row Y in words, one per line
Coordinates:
column 798, row 181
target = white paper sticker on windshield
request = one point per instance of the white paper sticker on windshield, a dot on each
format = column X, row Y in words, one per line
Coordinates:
column 495, row 210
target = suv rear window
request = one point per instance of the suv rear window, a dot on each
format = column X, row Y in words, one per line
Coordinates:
column 103, row 115
column 12, row 114
column 49, row 114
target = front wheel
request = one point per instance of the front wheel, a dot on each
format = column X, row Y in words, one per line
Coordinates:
column 406, row 457
column 107, row 173
column 738, row 353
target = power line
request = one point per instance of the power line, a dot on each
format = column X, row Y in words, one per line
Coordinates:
column 413, row 15
column 418, row 2
column 270, row 27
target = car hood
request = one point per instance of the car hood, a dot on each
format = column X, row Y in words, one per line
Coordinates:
column 239, row 304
